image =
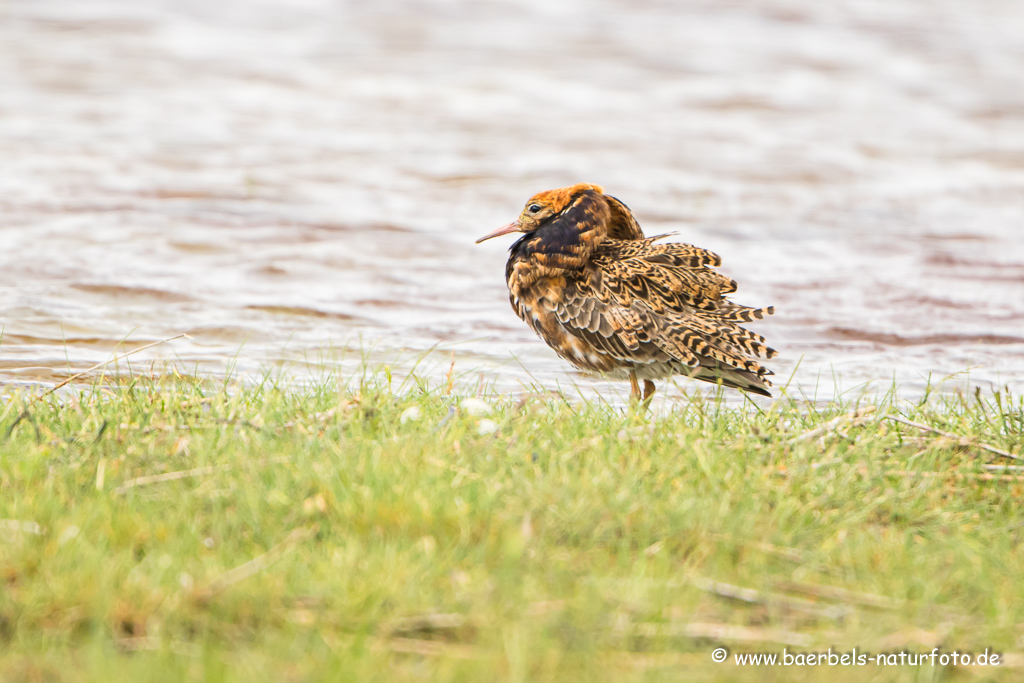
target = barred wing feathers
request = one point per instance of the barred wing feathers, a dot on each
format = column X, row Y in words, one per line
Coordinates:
column 643, row 303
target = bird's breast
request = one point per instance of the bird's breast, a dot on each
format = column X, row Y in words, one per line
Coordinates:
column 535, row 300
column 532, row 282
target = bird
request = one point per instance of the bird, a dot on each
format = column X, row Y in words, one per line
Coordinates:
column 618, row 304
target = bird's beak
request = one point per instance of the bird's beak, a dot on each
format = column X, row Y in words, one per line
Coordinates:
column 511, row 227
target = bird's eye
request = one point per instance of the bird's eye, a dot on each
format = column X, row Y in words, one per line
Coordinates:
column 534, row 208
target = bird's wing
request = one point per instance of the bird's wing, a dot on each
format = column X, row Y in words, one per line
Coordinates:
column 667, row 276
column 642, row 303
column 635, row 334
column 625, row 333
column 720, row 348
column 621, row 224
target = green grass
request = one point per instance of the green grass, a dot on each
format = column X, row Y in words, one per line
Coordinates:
column 560, row 542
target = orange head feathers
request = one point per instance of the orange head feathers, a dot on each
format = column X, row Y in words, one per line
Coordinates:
column 604, row 214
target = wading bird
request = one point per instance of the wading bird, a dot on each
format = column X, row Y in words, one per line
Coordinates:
column 612, row 302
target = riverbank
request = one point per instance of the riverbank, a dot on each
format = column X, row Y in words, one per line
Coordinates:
column 167, row 528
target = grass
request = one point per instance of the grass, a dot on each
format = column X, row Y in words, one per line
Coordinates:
column 174, row 528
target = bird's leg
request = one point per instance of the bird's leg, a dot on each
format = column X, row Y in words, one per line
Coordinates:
column 634, row 393
column 648, row 391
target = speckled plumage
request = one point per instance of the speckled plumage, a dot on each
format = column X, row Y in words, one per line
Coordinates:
column 613, row 302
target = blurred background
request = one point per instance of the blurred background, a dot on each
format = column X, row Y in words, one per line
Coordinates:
column 298, row 184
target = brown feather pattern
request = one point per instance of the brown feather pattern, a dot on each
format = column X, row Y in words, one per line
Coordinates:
column 612, row 301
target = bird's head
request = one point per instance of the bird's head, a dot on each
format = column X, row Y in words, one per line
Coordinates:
column 545, row 207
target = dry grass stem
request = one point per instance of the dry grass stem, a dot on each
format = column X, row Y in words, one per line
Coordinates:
column 952, row 474
column 185, row 474
column 83, row 373
column 426, row 622
column 750, row 595
column 856, row 418
column 839, row 594
column 255, row 565
column 425, row 648
column 156, row 644
column 21, row 526
column 961, row 440
column 170, row 476
column 718, row 632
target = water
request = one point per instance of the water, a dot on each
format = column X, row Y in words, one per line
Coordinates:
column 299, row 184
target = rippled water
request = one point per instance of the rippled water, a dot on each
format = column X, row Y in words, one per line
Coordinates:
column 294, row 183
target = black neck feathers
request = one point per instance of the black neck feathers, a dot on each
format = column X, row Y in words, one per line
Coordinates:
column 567, row 239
